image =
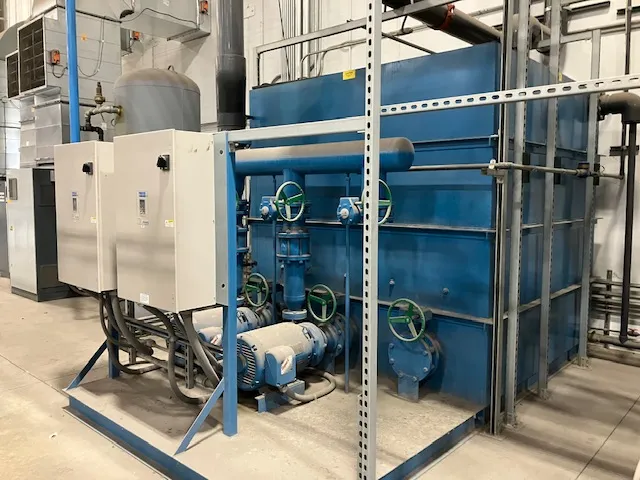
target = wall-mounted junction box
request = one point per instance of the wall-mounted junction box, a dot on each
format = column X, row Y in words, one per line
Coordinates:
column 85, row 214
column 165, row 219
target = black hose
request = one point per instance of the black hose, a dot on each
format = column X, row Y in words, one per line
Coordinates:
column 113, row 348
column 310, row 397
column 199, row 351
column 171, row 369
column 124, row 329
column 84, row 293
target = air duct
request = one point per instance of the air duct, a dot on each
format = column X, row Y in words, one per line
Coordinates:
column 231, row 72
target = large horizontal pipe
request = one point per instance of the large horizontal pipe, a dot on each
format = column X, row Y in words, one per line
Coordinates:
column 607, row 340
column 603, row 281
column 618, row 356
column 452, row 21
column 396, row 155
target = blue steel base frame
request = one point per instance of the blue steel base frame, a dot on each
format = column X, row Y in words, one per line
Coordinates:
column 229, row 382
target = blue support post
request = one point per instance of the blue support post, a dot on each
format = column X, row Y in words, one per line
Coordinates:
column 275, row 261
column 347, row 301
column 72, row 68
column 229, row 321
column 229, row 382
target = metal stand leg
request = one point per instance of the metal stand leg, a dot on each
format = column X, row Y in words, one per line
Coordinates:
column 549, row 198
column 513, row 324
column 368, row 417
column 202, row 416
column 592, row 146
column 87, row 368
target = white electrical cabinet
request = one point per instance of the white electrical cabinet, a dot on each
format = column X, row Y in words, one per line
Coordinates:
column 86, row 217
column 165, row 219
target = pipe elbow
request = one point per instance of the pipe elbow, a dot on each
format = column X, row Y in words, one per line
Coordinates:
column 624, row 103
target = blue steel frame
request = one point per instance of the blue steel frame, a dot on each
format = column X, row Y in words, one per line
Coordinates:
column 229, row 383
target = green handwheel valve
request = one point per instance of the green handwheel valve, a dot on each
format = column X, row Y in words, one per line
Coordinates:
column 386, row 203
column 286, row 203
column 322, row 297
column 256, row 287
column 406, row 312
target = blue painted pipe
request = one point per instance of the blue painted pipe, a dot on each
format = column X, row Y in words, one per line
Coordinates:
column 396, row 155
column 72, row 67
column 347, row 300
column 294, row 252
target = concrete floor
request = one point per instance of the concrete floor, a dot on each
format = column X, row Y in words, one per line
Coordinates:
column 588, row 429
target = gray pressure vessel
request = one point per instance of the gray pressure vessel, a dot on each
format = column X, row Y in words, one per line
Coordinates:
column 154, row 99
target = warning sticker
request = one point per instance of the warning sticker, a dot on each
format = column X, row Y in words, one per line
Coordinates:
column 349, row 75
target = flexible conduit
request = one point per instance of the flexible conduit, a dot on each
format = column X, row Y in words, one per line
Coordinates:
column 171, row 368
column 310, row 397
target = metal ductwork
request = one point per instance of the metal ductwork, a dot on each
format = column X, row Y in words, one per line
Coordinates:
column 100, row 9
column 231, row 70
column 453, row 22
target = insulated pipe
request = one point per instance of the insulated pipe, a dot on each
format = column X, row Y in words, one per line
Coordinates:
column 231, row 69
column 72, row 66
column 396, row 155
column 628, row 105
column 607, row 340
column 628, row 234
column 623, row 103
column 453, row 22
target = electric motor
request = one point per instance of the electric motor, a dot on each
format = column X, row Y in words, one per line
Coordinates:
column 299, row 345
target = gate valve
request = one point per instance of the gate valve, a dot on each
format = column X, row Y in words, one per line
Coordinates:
column 323, row 299
column 290, row 206
column 407, row 312
column 256, row 290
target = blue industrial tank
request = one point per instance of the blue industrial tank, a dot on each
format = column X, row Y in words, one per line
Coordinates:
column 439, row 250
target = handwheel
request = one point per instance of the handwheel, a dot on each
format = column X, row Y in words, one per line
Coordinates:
column 406, row 312
column 323, row 297
column 258, row 287
column 284, row 202
column 386, row 203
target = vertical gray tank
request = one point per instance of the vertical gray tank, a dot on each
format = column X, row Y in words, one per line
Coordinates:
column 154, row 99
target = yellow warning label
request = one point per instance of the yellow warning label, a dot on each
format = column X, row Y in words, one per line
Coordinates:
column 349, row 75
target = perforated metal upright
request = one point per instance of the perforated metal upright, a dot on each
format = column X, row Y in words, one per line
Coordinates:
column 502, row 199
column 549, row 197
column 592, row 148
column 516, row 216
column 368, row 398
